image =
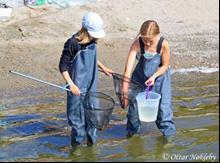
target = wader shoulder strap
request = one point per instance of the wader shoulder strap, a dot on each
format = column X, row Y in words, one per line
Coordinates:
column 159, row 45
column 141, row 45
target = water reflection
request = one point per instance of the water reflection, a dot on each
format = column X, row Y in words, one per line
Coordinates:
column 83, row 154
column 162, row 146
column 135, row 146
column 148, row 147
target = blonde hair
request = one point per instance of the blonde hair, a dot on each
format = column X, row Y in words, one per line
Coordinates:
column 149, row 28
column 83, row 36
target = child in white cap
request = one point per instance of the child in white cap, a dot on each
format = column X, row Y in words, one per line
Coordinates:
column 79, row 67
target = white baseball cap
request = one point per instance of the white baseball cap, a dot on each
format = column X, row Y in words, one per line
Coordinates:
column 93, row 23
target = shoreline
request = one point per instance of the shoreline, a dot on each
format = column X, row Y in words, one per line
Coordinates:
column 37, row 89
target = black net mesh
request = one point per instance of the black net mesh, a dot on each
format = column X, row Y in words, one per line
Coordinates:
column 98, row 109
column 126, row 89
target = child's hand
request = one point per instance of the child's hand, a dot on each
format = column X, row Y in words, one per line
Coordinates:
column 150, row 81
column 124, row 103
column 107, row 71
column 74, row 89
column 124, row 96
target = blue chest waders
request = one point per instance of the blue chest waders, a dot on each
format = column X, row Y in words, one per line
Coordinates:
column 84, row 73
column 145, row 68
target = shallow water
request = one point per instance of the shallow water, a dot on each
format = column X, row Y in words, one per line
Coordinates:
column 34, row 127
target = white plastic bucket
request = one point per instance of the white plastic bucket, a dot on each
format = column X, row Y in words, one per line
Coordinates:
column 148, row 108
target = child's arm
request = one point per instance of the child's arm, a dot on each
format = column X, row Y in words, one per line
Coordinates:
column 131, row 58
column 106, row 70
column 74, row 89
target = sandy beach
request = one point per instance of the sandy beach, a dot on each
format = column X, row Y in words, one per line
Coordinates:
column 32, row 40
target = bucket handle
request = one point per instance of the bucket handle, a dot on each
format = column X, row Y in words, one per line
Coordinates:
column 148, row 89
